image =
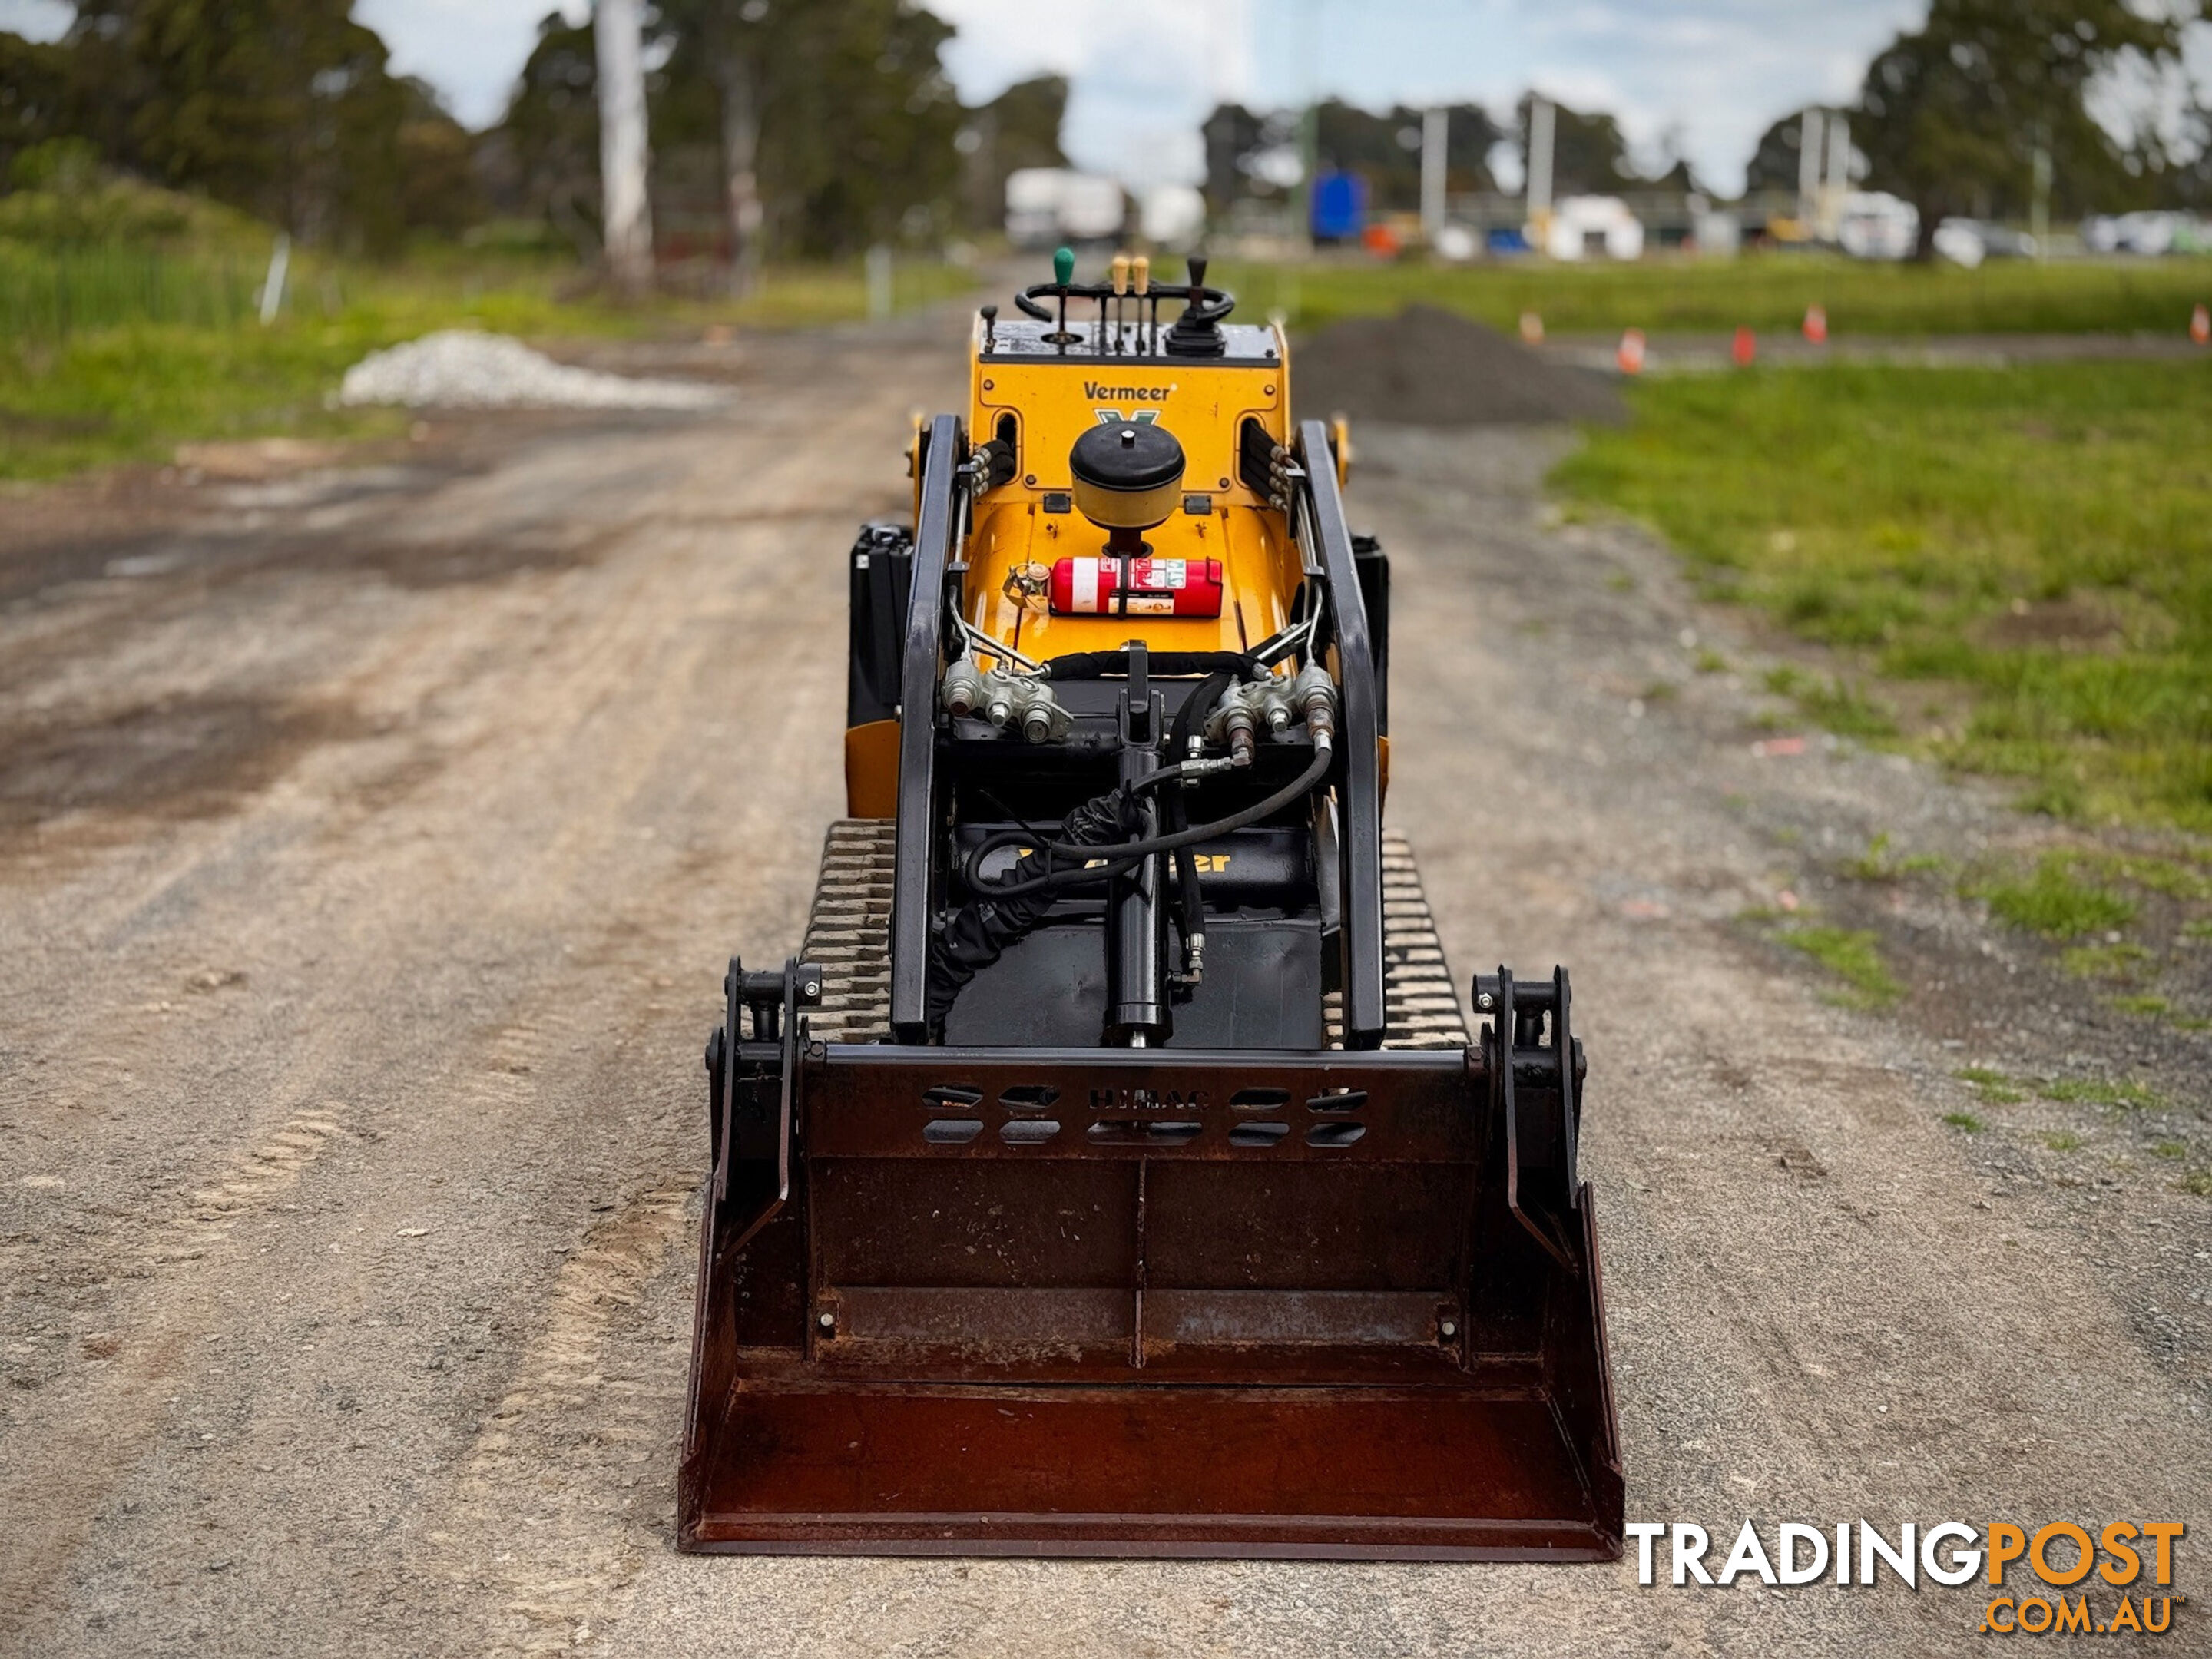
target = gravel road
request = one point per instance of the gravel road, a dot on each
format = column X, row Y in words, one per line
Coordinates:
column 371, row 840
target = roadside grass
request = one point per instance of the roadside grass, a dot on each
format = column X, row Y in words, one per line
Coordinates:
column 133, row 390
column 2035, row 539
column 2130, row 1096
column 1760, row 290
column 1852, row 955
column 1879, row 863
column 128, row 322
column 2052, row 900
column 1966, row 1120
column 1838, row 706
column 1991, row 1088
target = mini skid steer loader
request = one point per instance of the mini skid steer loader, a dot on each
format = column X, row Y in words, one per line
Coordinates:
column 1112, row 1172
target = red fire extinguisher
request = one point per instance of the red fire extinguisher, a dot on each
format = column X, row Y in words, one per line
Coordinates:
column 1112, row 587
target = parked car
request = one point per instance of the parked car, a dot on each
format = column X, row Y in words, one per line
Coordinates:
column 1592, row 228
column 1969, row 241
column 1876, row 225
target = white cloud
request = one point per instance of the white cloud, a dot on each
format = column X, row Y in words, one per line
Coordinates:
column 36, row 20
column 1144, row 73
column 472, row 51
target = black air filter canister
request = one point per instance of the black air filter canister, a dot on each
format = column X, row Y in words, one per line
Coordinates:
column 1128, row 476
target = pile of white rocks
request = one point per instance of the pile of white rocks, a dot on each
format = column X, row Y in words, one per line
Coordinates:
column 469, row 368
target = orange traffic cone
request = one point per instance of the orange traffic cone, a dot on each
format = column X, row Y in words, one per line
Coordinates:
column 1631, row 352
column 2200, row 326
column 1816, row 325
column 1532, row 329
column 1746, row 349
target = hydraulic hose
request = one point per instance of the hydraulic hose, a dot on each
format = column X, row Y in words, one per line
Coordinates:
column 1120, row 855
column 1195, row 707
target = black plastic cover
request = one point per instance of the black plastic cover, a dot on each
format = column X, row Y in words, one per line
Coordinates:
column 1136, row 455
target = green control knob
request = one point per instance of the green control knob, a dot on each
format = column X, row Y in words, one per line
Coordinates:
column 1063, row 265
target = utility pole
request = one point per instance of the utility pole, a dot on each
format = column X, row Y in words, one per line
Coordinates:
column 616, row 29
column 740, row 69
column 1839, row 175
column 1435, row 134
column 2038, row 210
column 1542, row 131
column 1809, row 170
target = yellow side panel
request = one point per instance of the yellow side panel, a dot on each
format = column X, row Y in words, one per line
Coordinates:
column 1053, row 404
column 872, row 758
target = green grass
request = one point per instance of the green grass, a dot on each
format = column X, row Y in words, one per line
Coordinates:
column 2198, row 1183
column 1853, row 956
column 1991, row 1088
column 1966, row 1120
column 2122, row 961
column 2053, row 901
column 2035, row 537
column 1834, row 703
column 2143, row 1007
column 2063, row 1140
column 128, row 322
column 2129, row 1097
column 1765, row 291
column 2170, row 1149
column 1877, row 863
column 133, row 390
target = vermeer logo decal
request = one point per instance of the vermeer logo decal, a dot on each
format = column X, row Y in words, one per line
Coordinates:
column 1127, row 394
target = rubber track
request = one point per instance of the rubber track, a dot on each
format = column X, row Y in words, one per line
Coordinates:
column 848, row 933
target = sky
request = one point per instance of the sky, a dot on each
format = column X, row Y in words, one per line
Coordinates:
column 1699, row 78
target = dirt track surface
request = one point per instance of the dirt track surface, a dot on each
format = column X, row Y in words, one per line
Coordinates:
column 370, row 844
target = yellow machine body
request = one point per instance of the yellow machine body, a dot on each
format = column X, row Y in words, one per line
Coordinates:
column 1013, row 535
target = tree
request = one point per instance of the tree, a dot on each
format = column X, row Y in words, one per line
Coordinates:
column 834, row 119
column 438, row 184
column 625, row 158
column 282, row 107
column 33, row 96
column 286, row 108
column 1236, row 137
column 1384, row 148
column 1019, row 128
column 549, row 138
column 1951, row 113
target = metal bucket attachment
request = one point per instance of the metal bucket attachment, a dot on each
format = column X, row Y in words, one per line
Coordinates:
column 1039, row 1302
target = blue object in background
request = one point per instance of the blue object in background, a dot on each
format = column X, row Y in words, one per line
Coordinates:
column 1339, row 206
column 1507, row 241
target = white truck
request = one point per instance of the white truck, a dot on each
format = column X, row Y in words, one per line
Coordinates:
column 1046, row 206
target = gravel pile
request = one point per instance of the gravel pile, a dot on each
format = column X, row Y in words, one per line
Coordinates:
column 1431, row 367
column 467, row 368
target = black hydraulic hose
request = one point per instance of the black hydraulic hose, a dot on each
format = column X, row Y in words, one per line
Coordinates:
column 1195, row 707
column 1120, row 855
column 970, row 938
column 1167, row 665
